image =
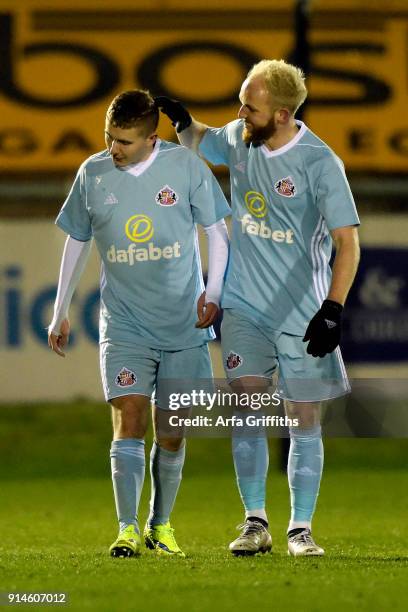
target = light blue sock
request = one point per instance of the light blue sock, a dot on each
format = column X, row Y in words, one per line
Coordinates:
column 128, row 468
column 251, row 460
column 305, row 466
column 165, row 470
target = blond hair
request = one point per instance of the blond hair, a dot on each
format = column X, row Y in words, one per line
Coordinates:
column 285, row 82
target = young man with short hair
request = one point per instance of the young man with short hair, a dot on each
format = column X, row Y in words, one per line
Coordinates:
column 140, row 200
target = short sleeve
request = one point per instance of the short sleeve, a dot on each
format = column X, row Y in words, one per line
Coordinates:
column 207, row 200
column 215, row 146
column 334, row 198
column 73, row 217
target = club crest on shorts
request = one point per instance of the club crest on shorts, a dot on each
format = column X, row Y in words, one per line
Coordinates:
column 285, row 187
column 125, row 378
column 233, row 361
column 167, row 196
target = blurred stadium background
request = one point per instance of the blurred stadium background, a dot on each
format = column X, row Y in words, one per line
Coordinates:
column 61, row 63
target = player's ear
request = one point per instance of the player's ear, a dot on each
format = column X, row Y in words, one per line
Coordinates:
column 282, row 116
column 152, row 138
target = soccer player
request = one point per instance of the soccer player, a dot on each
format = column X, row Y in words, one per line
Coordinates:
column 282, row 302
column 140, row 200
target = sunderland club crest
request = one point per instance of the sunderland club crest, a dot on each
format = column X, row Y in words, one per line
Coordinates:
column 285, row 187
column 167, row 196
column 125, row 378
column 233, row 361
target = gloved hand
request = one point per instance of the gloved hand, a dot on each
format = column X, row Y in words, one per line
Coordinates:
column 178, row 115
column 324, row 330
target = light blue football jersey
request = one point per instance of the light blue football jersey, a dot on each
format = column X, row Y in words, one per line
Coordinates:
column 284, row 202
column 143, row 221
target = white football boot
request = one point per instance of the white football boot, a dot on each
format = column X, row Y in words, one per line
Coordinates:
column 253, row 539
column 302, row 545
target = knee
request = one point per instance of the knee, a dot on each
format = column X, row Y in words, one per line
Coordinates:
column 127, row 430
column 170, row 444
column 307, row 414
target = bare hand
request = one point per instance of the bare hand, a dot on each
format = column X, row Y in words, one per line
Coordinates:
column 207, row 313
column 57, row 343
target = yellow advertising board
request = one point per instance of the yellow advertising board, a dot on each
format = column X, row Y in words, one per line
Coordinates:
column 61, row 64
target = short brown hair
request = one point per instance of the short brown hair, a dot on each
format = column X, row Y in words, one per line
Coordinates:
column 134, row 108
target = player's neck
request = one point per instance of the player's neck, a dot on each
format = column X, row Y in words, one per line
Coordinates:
column 282, row 136
column 148, row 152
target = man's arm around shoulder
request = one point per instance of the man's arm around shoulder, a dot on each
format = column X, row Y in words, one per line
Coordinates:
column 189, row 131
column 193, row 135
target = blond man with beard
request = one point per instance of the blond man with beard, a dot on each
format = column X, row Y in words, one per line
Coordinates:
column 282, row 302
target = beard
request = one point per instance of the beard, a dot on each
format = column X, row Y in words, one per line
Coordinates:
column 257, row 135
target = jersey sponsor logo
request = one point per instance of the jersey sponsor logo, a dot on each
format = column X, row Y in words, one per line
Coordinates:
column 167, row 196
column 125, row 378
column 111, row 199
column 253, row 228
column 139, row 228
column 233, row 360
column 285, row 187
column 132, row 254
column 256, row 203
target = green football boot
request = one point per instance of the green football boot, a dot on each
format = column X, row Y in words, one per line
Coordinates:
column 161, row 539
column 127, row 544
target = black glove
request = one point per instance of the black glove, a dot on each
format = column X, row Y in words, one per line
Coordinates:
column 178, row 115
column 324, row 330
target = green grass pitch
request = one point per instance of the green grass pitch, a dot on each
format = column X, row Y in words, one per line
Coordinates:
column 57, row 521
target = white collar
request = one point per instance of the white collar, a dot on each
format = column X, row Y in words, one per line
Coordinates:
column 140, row 167
column 268, row 153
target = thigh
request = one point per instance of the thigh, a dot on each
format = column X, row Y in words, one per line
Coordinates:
column 179, row 373
column 183, row 372
column 128, row 370
column 130, row 416
column 303, row 378
column 247, row 351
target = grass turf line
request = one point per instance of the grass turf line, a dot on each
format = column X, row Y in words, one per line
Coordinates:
column 56, row 528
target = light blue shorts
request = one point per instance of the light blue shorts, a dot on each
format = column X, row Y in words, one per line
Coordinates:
column 128, row 369
column 251, row 350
